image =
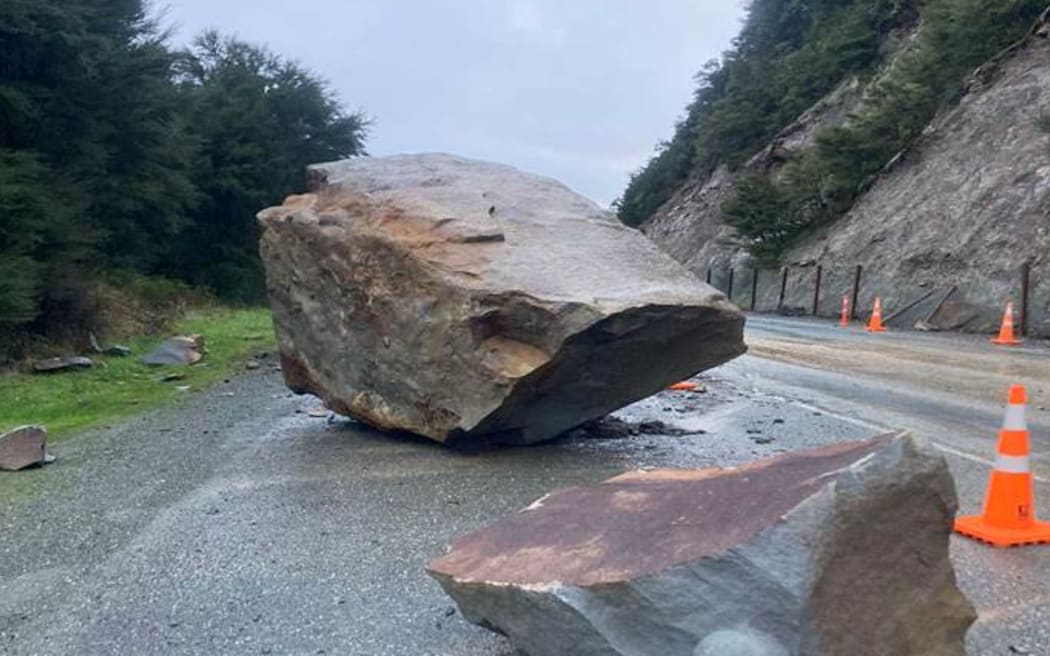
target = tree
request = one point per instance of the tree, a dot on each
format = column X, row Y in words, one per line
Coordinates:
column 258, row 121
column 89, row 167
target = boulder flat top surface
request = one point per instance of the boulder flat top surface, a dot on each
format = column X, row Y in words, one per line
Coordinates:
column 523, row 231
column 642, row 522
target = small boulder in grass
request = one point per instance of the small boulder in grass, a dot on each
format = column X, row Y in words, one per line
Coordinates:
column 24, row 447
column 834, row 551
column 182, row 349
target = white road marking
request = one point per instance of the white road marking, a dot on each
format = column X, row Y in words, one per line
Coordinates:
column 972, row 458
column 864, row 423
column 944, row 448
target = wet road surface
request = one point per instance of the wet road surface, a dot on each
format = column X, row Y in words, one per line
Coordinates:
column 233, row 524
column 950, row 389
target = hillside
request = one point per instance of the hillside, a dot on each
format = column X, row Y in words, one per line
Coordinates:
column 927, row 174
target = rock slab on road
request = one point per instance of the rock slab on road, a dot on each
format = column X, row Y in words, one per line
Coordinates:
column 467, row 301
column 23, row 447
column 837, row 550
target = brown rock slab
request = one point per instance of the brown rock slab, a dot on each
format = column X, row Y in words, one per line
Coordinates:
column 839, row 550
column 23, row 447
column 467, row 301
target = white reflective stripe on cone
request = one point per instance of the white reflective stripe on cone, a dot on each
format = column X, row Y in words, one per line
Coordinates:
column 1012, row 464
column 1014, row 418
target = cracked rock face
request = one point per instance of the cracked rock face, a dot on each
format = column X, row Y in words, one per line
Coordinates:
column 838, row 550
column 471, row 302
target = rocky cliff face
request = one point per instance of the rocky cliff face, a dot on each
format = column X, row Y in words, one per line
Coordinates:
column 690, row 227
column 966, row 207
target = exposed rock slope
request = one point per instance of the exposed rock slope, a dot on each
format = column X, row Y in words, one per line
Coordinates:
column 969, row 204
column 965, row 207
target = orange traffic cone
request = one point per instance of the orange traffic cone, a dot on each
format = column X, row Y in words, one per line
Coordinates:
column 1006, row 331
column 844, row 321
column 875, row 323
column 1009, row 508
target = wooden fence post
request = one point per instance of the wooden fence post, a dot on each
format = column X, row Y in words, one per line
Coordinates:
column 1026, row 273
column 783, row 287
column 816, row 289
column 754, row 288
column 856, row 292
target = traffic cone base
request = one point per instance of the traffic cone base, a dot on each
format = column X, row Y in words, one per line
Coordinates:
column 975, row 527
column 1008, row 519
column 875, row 323
column 1006, row 329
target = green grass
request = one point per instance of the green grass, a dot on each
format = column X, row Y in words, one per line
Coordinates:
column 118, row 387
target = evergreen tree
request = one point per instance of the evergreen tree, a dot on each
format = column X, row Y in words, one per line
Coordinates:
column 120, row 155
column 259, row 120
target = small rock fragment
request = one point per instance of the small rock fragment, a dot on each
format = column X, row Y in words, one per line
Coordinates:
column 182, row 349
column 115, row 350
column 252, row 365
column 24, row 447
column 53, row 365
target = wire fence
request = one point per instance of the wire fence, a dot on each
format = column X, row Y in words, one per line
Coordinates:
column 972, row 303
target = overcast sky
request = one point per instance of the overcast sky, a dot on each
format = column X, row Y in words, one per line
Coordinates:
column 580, row 90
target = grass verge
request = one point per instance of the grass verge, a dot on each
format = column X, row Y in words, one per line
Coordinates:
column 118, row 387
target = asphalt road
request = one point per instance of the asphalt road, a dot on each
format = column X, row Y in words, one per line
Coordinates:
column 233, row 524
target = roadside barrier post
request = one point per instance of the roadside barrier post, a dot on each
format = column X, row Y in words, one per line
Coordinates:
column 783, row 287
column 1026, row 274
column 856, row 291
column 754, row 289
column 816, row 289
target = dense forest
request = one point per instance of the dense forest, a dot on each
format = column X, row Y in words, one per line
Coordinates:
column 130, row 163
column 791, row 54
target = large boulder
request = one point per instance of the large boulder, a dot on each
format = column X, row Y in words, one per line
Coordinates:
column 839, row 550
column 465, row 301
